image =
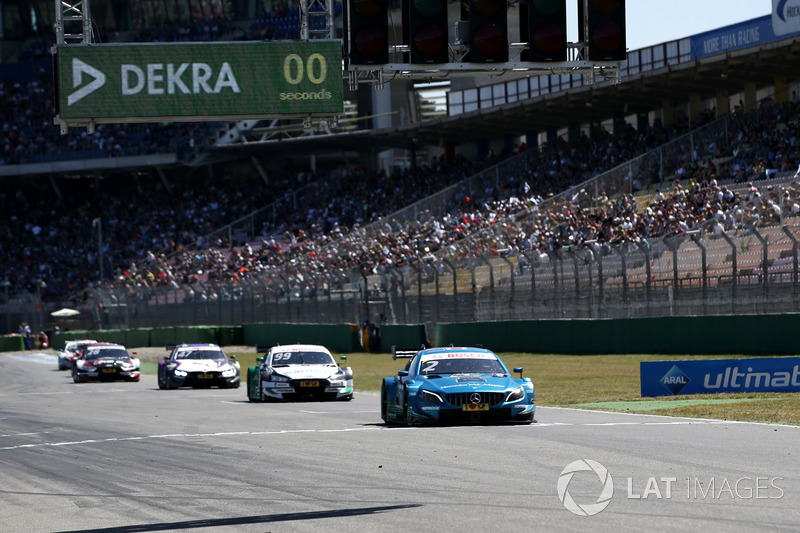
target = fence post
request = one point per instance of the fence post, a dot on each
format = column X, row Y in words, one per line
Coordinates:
column 695, row 236
column 511, row 279
column 491, row 283
column 418, row 268
column 734, row 271
column 764, row 263
column 618, row 249
column 455, row 287
column 644, row 246
column 588, row 256
column 789, row 234
column 533, row 282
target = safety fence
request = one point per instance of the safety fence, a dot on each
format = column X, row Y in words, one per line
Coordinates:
column 747, row 270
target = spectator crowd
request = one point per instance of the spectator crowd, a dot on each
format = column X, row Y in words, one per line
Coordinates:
column 150, row 230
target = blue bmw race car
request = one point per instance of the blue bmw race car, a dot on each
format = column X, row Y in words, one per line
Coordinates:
column 440, row 385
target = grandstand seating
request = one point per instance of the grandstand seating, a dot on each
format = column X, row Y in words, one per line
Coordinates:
column 168, row 230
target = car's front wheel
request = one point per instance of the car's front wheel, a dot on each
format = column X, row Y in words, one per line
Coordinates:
column 407, row 411
column 384, row 404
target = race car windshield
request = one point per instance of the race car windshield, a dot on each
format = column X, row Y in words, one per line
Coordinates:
column 301, row 358
column 107, row 353
column 460, row 366
column 213, row 355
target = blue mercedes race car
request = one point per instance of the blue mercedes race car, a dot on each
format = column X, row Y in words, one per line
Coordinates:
column 466, row 385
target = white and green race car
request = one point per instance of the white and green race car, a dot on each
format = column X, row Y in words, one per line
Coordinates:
column 298, row 372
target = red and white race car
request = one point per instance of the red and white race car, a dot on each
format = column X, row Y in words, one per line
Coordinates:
column 105, row 362
column 71, row 351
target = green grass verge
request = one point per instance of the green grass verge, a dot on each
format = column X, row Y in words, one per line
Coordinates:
column 598, row 382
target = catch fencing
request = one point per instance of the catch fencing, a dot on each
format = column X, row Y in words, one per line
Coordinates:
column 744, row 271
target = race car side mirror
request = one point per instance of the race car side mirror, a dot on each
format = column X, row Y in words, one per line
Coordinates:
column 259, row 359
column 403, row 373
column 518, row 369
column 232, row 357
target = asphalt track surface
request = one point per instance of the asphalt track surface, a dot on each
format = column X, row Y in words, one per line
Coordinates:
column 128, row 457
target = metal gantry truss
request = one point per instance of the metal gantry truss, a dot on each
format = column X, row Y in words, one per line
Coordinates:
column 576, row 64
column 73, row 22
column 310, row 10
column 74, row 26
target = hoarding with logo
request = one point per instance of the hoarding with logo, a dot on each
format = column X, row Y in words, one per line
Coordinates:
column 782, row 22
column 147, row 82
column 671, row 378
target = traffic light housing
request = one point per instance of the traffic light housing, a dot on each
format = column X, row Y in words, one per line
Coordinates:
column 367, row 26
column 425, row 30
column 488, row 31
column 543, row 24
column 605, row 22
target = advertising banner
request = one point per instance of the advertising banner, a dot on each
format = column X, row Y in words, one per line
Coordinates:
column 783, row 21
column 198, row 81
column 670, row 378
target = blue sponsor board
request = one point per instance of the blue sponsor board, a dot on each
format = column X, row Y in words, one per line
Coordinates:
column 783, row 22
column 733, row 37
column 670, row 378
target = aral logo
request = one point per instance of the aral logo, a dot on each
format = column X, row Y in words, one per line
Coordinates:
column 674, row 380
column 79, row 68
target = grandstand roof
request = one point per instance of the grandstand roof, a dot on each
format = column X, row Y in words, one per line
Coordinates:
column 649, row 90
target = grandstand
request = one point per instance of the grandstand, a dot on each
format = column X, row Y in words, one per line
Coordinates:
column 138, row 225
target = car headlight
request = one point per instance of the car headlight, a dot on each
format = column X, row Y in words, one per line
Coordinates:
column 515, row 395
column 229, row 372
column 429, row 396
column 338, row 384
column 276, row 377
column 181, row 373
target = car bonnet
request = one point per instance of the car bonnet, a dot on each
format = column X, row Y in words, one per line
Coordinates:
column 306, row 371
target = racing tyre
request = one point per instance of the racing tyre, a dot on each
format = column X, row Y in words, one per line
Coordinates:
column 249, row 386
column 406, row 414
column 384, row 404
column 250, row 396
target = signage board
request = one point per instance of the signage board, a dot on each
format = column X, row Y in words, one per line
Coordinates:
column 151, row 82
column 705, row 376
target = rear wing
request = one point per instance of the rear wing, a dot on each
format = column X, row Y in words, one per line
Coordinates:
column 170, row 347
column 403, row 354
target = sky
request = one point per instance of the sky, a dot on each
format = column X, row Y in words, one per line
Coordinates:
column 652, row 22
